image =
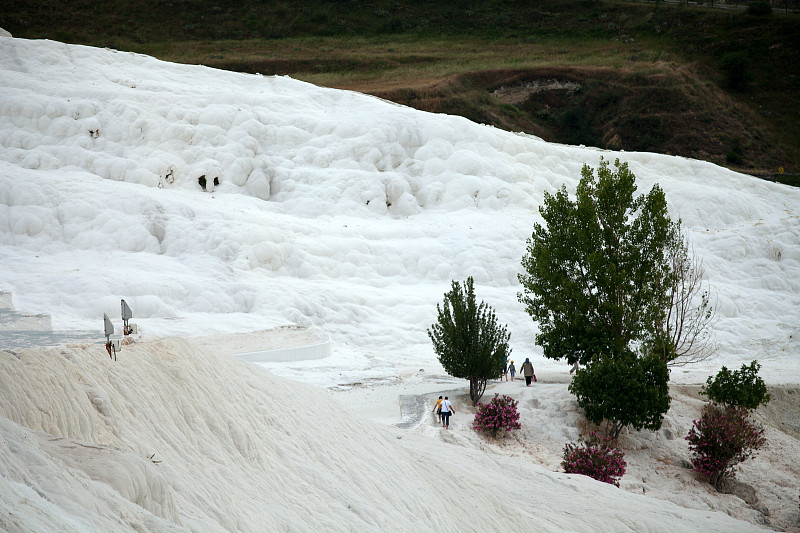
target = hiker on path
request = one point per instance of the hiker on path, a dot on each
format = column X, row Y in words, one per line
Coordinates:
column 504, row 371
column 512, row 369
column 437, row 407
column 447, row 410
column 527, row 370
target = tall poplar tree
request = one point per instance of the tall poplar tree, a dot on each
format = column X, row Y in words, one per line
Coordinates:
column 597, row 278
column 597, row 270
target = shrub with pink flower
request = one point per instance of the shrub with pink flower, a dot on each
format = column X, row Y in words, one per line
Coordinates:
column 599, row 458
column 499, row 414
column 721, row 439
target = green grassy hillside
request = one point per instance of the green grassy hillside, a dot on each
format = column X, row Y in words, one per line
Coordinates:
column 720, row 84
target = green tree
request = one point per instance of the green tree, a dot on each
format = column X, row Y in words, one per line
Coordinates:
column 740, row 388
column 468, row 340
column 597, row 280
column 597, row 272
column 623, row 390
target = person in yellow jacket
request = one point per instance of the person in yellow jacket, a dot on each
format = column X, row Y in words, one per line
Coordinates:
column 437, row 408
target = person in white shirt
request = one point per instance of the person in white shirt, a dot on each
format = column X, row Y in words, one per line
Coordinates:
column 447, row 410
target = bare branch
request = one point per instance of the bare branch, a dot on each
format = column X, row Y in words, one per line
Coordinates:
column 687, row 329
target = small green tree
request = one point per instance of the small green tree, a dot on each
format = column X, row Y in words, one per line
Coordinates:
column 623, row 390
column 740, row 388
column 468, row 340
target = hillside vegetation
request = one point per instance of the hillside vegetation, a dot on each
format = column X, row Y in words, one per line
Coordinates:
column 718, row 83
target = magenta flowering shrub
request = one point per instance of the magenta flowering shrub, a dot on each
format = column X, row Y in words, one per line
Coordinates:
column 599, row 458
column 499, row 413
column 721, row 439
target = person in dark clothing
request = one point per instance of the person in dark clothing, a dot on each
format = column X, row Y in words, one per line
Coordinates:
column 527, row 370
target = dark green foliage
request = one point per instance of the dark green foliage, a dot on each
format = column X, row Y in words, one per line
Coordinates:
column 468, row 340
column 649, row 132
column 737, row 69
column 190, row 31
column 759, row 9
column 595, row 273
column 597, row 281
column 740, row 388
column 577, row 128
column 623, row 390
column 734, row 155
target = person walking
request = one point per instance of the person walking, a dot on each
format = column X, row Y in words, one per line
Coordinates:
column 437, row 408
column 512, row 370
column 447, row 410
column 505, row 371
column 527, row 370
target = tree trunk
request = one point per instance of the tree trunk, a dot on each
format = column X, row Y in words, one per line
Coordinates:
column 477, row 386
column 616, row 429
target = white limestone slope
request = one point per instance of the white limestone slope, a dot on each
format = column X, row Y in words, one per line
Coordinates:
column 171, row 439
column 333, row 209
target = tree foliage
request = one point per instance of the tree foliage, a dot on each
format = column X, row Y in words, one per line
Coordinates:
column 610, row 282
column 623, row 390
column 596, row 272
column 740, row 388
column 468, row 340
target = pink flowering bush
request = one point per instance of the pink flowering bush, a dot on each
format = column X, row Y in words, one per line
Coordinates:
column 721, row 439
column 597, row 457
column 499, row 413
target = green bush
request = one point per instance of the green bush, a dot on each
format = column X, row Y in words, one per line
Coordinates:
column 734, row 155
column 623, row 390
column 759, row 9
column 740, row 388
column 736, row 67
